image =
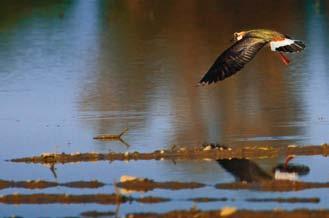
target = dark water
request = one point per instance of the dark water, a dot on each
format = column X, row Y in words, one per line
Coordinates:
column 70, row 70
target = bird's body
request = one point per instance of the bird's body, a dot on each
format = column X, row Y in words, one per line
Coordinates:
column 267, row 35
column 246, row 46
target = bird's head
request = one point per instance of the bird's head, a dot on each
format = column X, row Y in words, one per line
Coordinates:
column 238, row 36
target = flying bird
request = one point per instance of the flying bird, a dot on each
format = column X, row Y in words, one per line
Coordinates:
column 245, row 47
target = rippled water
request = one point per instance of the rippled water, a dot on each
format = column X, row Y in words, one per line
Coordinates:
column 70, row 70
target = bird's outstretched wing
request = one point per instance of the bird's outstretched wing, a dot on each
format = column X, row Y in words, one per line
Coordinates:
column 233, row 59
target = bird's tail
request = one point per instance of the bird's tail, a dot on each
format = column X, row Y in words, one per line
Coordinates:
column 287, row 45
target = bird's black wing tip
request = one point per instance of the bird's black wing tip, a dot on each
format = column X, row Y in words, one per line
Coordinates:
column 202, row 83
column 300, row 43
column 205, row 82
column 199, row 84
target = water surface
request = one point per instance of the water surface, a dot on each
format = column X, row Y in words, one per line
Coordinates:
column 70, row 70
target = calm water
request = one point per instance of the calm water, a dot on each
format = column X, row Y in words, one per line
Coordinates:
column 70, row 70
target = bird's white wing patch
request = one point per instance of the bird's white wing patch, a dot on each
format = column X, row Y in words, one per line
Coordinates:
column 276, row 44
column 278, row 175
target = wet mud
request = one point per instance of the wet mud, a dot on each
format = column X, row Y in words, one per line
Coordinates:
column 205, row 152
column 259, row 200
column 62, row 198
column 40, row 184
column 285, row 200
column 237, row 161
column 76, row 199
column 273, row 185
column 205, row 200
column 116, row 199
column 151, row 200
column 97, row 214
column 145, row 185
column 148, row 185
column 233, row 213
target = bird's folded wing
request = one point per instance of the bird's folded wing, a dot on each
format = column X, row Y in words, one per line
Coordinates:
column 233, row 59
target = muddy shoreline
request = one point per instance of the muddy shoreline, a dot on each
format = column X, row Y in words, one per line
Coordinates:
column 115, row 199
column 42, row 184
column 233, row 213
column 272, row 185
column 145, row 185
column 201, row 153
column 42, row 198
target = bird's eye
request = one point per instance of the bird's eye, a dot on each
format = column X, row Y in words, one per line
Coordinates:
column 235, row 37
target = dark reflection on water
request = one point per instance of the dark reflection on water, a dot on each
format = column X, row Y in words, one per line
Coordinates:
column 154, row 53
column 244, row 170
column 70, row 70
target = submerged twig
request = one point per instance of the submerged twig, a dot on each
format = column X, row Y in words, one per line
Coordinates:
column 111, row 137
column 124, row 142
column 53, row 170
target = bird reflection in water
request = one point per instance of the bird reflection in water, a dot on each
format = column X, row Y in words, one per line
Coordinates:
column 245, row 170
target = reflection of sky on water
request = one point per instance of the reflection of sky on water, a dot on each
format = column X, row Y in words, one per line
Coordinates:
column 154, row 71
column 316, row 81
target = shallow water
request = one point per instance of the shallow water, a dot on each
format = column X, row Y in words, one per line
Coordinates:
column 70, row 70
